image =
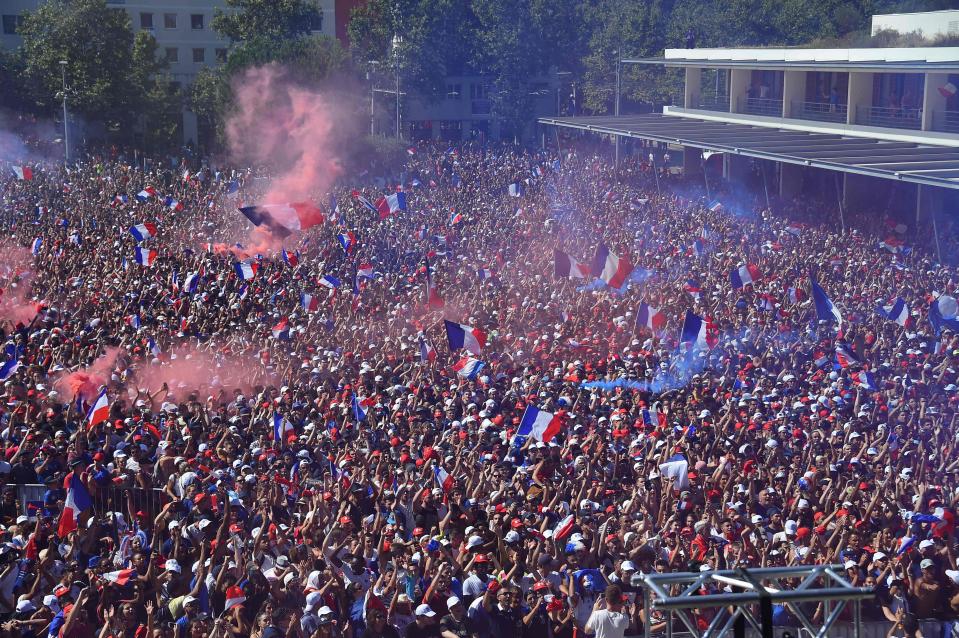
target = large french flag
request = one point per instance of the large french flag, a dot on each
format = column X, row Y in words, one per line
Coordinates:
column 825, row 309
column 234, row 598
column 78, row 501
column 285, row 218
column 745, row 275
column 121, row 577
column 845, row 356
column 23, row 172
column 462, row 336
column 99, row 411
column 649, row 317
column 246, row 270
column 146, row 193
column 427, row 353
column 539, row 424
column 468, row 367
column 309, row 302
column 654, row 417
column 693, row 334
column 564, row 527
column 329, row 281
column 144, row 257
column 282, row 329
column 898, row 312
column 142, row 232
column 396, row 202
column 281, row 427
column 566, row 267
column 610, row 267
column 443, row 479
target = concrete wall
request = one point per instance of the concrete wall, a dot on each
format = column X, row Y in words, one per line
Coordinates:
column 738, row 85
column 932, row 100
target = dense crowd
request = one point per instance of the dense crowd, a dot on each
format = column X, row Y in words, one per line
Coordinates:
column 318, row 462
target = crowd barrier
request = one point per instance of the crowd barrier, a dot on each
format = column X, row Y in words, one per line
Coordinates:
column 109, row 499
column 928, row 629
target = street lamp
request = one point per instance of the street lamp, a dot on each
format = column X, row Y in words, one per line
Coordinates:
column 397, row 43
column 66, row 128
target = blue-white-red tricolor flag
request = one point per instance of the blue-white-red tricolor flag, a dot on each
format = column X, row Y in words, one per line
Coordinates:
column 99, row 411
column 309, row 302
column 693, row 334
column 462, row 336
column 611, row 268
column 744, row 275
column 78, row 501
column 468, row 367
column 649, row 317
column 281, row 427
column 443, row 479
column 825, row 309
column 144, row 256
column 142, row 232
column 539, row 424
column 246, row 269
column 898, row 311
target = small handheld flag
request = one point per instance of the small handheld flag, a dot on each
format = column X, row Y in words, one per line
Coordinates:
column 463, row 336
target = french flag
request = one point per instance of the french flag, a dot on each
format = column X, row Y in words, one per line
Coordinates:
column 281, row 427
column 692, row 287
column 78, row 501
column 365, row 270
column 23, row 172
column 144, row 256
column 443, row 478
column 462, row 336
column 715, row 206
column 361, row 407
column 611, row 268
column 427, row 353
column 281, row 330
column 795, row 228
column 468, row 368
column 904, row 545
column 37, row 243
column 284, row 218
column 825, row 309
column 191, row 282
column 796, row 295
column 455, row 218
column 234, row 598
column 649, row 317
column 566, row 267
column 516, row 189
column 121, row 577
column 396, row 202
column 539, row 424
column 153, row 347
column 744, row 275
column 172, row 204
column 864, row 380
column 329, row 281
column 10, row 366
column 898, row 312
column 382, row 208
column 845, row 356
column 134, row 321
column 347, row 241
column 564, row 528
column 698, row 248
column 309, row 302
column 146, row 193
column 654, row 417
column 484, row 274
column 894, row 245
column 693, row 334
column 142, row 232
column 99, row 411
column 246, row 269
column 291, row 259
column 120, row 200
column 365, row 202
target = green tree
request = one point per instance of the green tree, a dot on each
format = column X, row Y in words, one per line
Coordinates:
column 272, row 19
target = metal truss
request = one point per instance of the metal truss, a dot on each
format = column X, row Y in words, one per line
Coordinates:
column 753, row 592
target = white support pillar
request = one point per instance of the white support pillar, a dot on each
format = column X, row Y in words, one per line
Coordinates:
column 694, row 82
column 794, row 90
column 933, row 102
column 739, row 80
column 860, row 94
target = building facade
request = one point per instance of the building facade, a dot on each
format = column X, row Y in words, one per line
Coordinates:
column 184, row 34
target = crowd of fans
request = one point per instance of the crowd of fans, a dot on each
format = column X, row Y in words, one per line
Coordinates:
column 273, row 468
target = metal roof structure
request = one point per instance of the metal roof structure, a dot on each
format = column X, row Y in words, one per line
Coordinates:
column 925, row 164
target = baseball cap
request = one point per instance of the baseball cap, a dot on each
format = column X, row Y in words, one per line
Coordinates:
column 926, row 563
column 452, row 601
column 172, row 566
column 425, row 610
column 925, row 544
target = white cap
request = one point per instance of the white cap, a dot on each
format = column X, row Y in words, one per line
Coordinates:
column 926, row 563
column 452, row 601
column 926, row 543
column 474, row 541
column 628, row 566
column 954, row 575
column 425, row 610
column 849, row 564
column 879, row 556
column 790, row 527
column 313, row 599
column 172, row 566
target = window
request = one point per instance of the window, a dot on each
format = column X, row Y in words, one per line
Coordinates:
column 199, row 55
column 146, row 20
column 169, row 21
column 196, row 21
column 220, row 55
column 454, row 91
column 172, row 54
column 316, row 20
column 477, row 91
column 10, row 24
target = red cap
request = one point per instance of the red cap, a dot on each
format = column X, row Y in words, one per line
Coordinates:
column 481, row 558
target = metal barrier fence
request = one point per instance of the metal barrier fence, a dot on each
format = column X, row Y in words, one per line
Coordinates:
column 928, row 629
column 109, row 499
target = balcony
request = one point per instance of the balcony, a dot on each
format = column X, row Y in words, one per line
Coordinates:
column 707, row 103
column 889, row 117
column 945, row 121
column 760, row 106
column 818, row 111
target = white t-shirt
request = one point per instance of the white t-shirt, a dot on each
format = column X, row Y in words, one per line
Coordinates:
column 603, row 623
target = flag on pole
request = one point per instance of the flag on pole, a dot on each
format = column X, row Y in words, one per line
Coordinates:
column 566, row 267
column 460, row 335
column 99, row 411
column 121, row 577
column 427, row 353
column 283, row 219
column 539, row 424
column 142, row 232
column 144, row 256
column 146, row 193
column 78, row 501
column 744, row 275
column 468, row 367
column 23, row 172
column 281, row 427
column 897, row 312
column 246, row 269
column 693, row 334
column 649, row 317
column 825, row 309
column 309, row 302
column 611, row 268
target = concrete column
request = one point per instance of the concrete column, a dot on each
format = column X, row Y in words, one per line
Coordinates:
column 737, row 168
column 860, row 94
column 692, row 161
column 794, row 90
column 933, row 101
column 694, row 81
column 738, row 85
column 790, row 180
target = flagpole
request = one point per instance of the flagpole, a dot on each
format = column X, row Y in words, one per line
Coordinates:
column 705, row 178
column 935, row 232
column 652, row 160
column 762, row 165
column 842, row 216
